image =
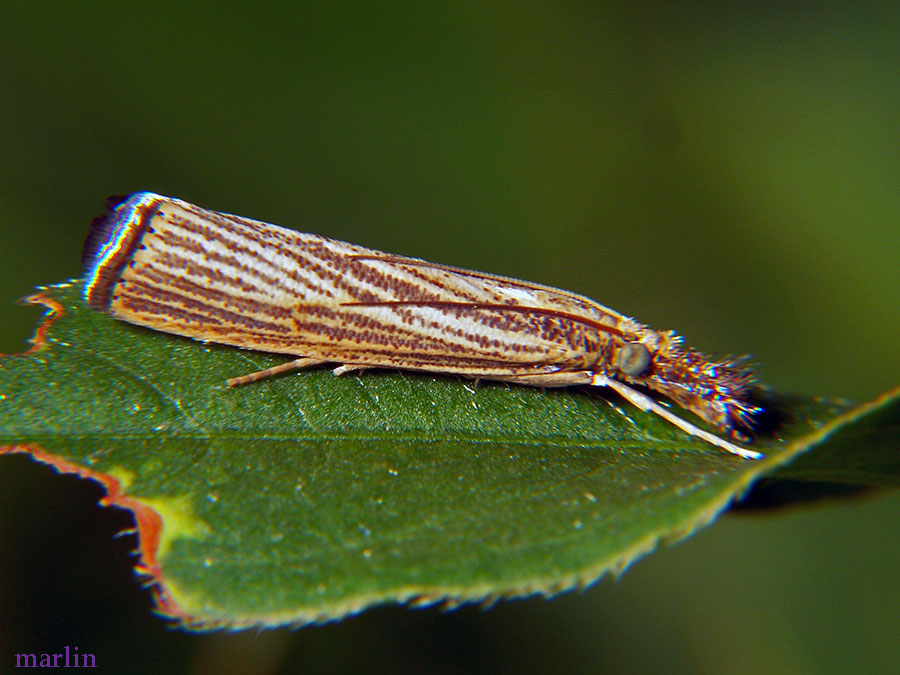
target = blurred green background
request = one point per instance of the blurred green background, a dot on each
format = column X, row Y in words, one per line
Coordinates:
column 727, row 170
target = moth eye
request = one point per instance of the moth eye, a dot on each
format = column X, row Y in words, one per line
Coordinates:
column 634, row 359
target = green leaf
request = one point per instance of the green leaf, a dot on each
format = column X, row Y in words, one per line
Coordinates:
column 860, row 453
column 308, row 497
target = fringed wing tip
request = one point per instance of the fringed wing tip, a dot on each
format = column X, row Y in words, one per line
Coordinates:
column 101, row 229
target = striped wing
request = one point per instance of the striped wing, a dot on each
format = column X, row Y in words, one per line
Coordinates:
column 174, row 267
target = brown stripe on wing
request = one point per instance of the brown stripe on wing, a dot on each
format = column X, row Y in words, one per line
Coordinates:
column 365, row 331
column 205, row 295
column 150, row 304
column 514, row 309
column 206, row 232
column 473, row 274
column 299, row 252
column 436, row 289
column 431, row 289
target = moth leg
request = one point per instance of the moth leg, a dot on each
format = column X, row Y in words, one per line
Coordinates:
column 343, row 370
column 276, row 370
column 644, row 402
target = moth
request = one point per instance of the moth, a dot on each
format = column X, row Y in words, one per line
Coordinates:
column 169, row 265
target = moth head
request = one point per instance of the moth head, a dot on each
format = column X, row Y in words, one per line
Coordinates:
column 717, row 390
